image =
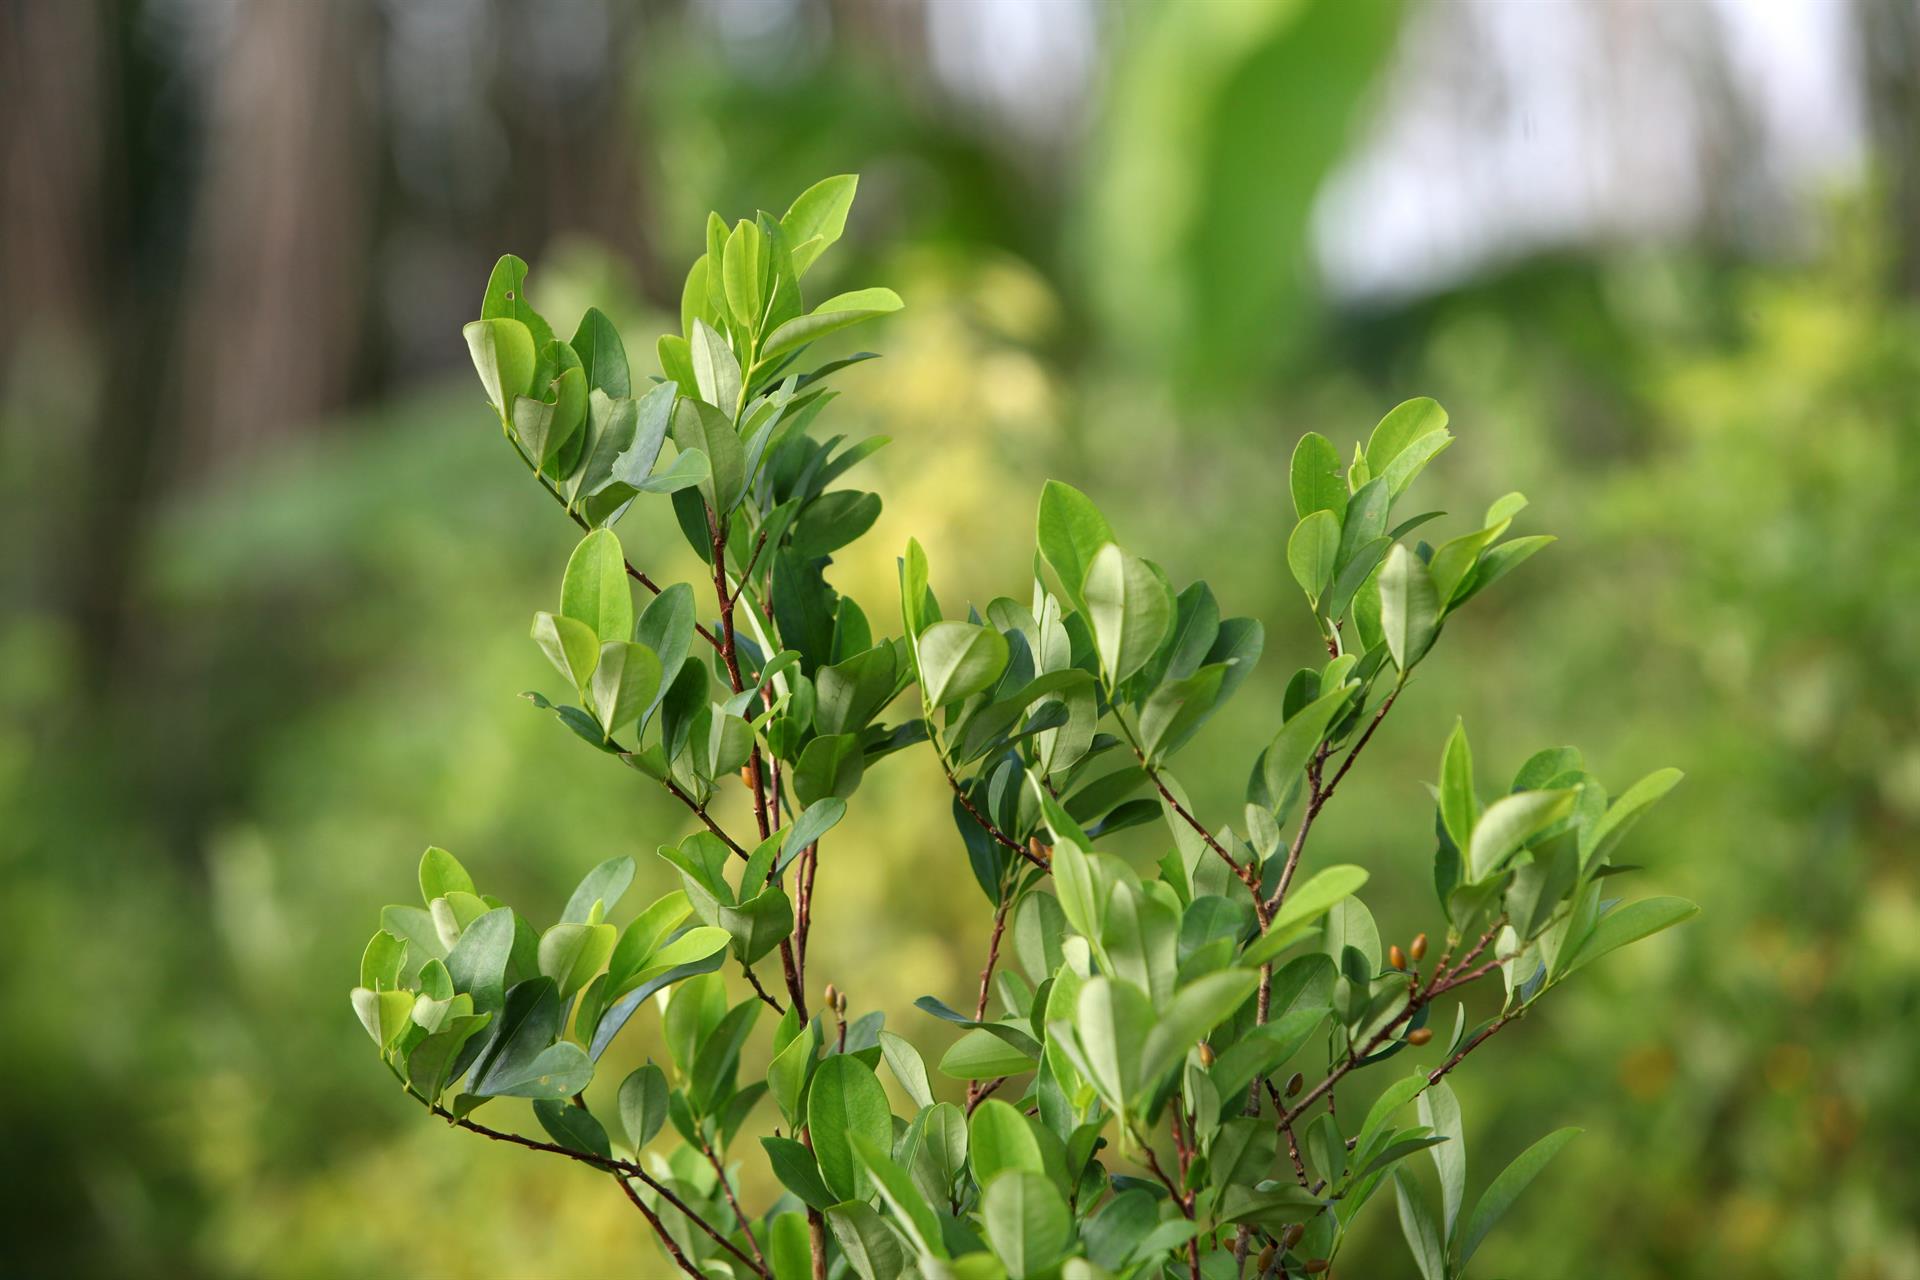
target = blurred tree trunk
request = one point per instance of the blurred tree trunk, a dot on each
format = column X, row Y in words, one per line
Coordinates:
column 281, row 231
column 1889, row 51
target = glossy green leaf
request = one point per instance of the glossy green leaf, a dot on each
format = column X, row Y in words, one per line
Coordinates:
column 911, row 1212
column 1459, row 808
column 626, row 680
column 1440, row 1112
column 817, row 218
column 1304, row 903
column 643, row 1104
column 981, row 1055
column 846, row 1099
column 829, row 766
column 1195, row 1010
column 1315, row 477
column 503, row 356
column 999, row 1138
column 836, row 313
column 1630, row 923
column 698, row 427
column 1026, row 1221
column 571, row 954
column 441, row 874
column 1418, row 1225
column 794, row 1165
column 1070, row 531
column 595, row 591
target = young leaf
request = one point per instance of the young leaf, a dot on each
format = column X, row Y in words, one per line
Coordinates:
column 910, row 1209
column 503, row 356
column 643, row 1104
column 1304, row 903
column 958, row 660
column 1510, row 822
column 1458, row 806
column 815, row 220
column 831, row 316
column 1631, row 923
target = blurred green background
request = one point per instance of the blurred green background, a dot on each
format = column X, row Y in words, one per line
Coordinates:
column 264, row 617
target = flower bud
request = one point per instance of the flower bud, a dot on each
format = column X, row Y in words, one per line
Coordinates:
column 1293, row 1234
column 1396, row 957
column 1296, row 1084
column 1041, row 853
column 1263, row 1261
column 1206, row 1054
column 1315, row 1267
column 1419, row 1037
column 1419, row 948
column 833, row 996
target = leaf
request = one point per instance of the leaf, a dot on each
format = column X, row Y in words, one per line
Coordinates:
column 1113, row 1019
column 1510, row 822
column 1631, row 923
column 818, row 217
column 999, row 1138
column 699, row 427
column 1305, row 902
column 653, row 413
column 958, row 660
column 910, row 1209
column 798, row 1171
column 716, row 372
column 1600, row 840
column 833, row 520
column 1459, row 808
column 595, row 590
column 836, row 313
column 814, row 821
column 982, row 1055
column 869, row 1244
column 1421, row 1231
column 626, row 682
column 570, row 646
column 1404, row 424
column 1070, row 532
column 828, row 766
column 573, row 1127
column 441, row 874
column 558, row 1071
column 506, row 297
column 1506, row 1188
column 385, row 1014
column 603, row 357
column 643, row 1104
column 907, row 1067
column 1026, row 1221
column 1312, row 550
column 1299, row 737
column 383, row 960
column 571, row 954
column 503, row 356
column 1440, row 1112
column 1195, row 1010
column 1409, row 610
column 846, row 1099
column 1316, row 480
column 1129, row 608
column 743, row 275
column 477, row 963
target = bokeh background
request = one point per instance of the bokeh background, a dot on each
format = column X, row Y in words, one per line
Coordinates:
column 269, row 567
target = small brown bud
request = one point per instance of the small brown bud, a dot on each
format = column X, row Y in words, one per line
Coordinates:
column 1042, row 853
column 746, row 775
column 1296, row 1084
column 1419, row 948
column 1263, row 1261
column 1396, row 957
column 1293, row 1234
column 1206, row 1054
column 1315, row 1267
column 833, row 996
column 1419, row 1037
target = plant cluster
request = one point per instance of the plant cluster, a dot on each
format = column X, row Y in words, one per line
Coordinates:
column 1132, row 1105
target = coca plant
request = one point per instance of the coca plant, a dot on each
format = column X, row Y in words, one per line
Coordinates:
column 1144, row 1083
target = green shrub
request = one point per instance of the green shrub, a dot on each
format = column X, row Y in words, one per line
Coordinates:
column 1132, row 1104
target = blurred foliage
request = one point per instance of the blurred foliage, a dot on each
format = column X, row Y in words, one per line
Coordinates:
column 312, row 688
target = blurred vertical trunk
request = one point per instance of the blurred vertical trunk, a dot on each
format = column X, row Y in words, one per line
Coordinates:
column 280, row 241
column 1889, row 52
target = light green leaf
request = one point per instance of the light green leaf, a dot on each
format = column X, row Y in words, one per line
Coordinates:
column 981, row 1055
column 570, row 646
column 1510, row 822
column 603, row 357
column 743, row 274
column 911, row 1212
column 441, row 874
column 1195, row 1010
column 834, row 314
column 1409, row 609
column 571, row 954
column 625, row 681
column 1440, row 1112
column 1312, row 550
column 1316, row 480
column 1129, row 608
column 907, row 1066
column 699, row 427
column 816, row 220
column 1070, row 530
column 1421, row 1231
column 1604, row 835
column 1630, row 923
column 1113, row 1020
column 1299, row 737
column 503, row 356
column 385, row 1014
column 1304, row 903
column 1026, row 1221
column 1000, row 1138
column 1459, row 808
column 1405, row 423
column 958, row 660
column 716, row 372
column 595, row 589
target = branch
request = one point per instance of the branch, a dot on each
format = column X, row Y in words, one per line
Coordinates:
column 620, row 1167
column 753, row 980
column 1000, row 837
column 700, row 812
column 719, row 1171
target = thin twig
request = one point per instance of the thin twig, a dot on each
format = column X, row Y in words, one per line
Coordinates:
column 720, row 1172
